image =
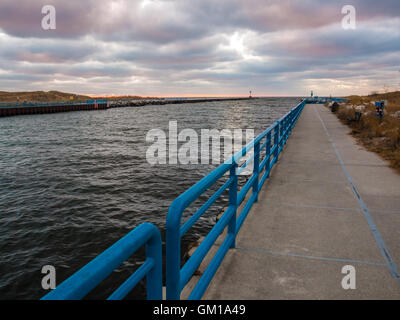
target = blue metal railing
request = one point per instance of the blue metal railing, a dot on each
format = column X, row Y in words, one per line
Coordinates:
column 82, row 282
column 177, row 276
column 86, row 279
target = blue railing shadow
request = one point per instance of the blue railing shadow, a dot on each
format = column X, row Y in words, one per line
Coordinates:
column 86, row 279
column 177, row 277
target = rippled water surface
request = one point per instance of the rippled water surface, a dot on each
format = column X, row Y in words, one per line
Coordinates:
column 72, row 184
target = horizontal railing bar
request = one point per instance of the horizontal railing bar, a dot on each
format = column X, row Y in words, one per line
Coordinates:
column 264, row 162
column 86, row 279
column 243, row 167
column 282, row 137
column 264, row 145
column 273, row 149
column 244, row 212
column 274, row 160
column 190, row 195
column 286, row 114
column 188, row 224
column 212, row 268
column 132, row 281
column 251, row 145
column 245, row 189
column 264, row 178
column 195, row 260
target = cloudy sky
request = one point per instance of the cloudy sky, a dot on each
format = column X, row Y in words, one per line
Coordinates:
column 200, row 47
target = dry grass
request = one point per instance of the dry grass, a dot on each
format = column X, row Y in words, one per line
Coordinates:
column 380, row 137
column 55, row 96
column 39, row 96
column 393, row 99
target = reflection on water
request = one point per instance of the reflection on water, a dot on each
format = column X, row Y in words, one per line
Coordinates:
column 72, row 184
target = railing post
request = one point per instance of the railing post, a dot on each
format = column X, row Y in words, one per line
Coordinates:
column 256, row 170
column 281, row 133
column 292, row 115
column 173, row 252
column 154, row 278
column 233, row 203
column 268, row 154
column 288, row 127
column 284, row 131
column 276, row 141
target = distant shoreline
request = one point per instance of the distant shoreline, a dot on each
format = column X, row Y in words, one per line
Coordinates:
column 58, row 96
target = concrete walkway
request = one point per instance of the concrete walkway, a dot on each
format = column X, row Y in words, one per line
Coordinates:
column 328, row 204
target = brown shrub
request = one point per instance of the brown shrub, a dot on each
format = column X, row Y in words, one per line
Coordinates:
column 346, row 114
column 381, row 137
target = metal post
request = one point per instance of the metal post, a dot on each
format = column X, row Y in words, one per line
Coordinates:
column 233, row 202
column 268, row 154
column 173, row 252
column 154, row 278
column 256, row 170
column 276, row 141
column 285, row 126
column 289, row 126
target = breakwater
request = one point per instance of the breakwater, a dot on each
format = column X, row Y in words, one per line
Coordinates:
column 15, row 109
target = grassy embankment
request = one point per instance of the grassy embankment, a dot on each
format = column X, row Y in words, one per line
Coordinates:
column 39, row 96
column 380, row 137
column 54, row 96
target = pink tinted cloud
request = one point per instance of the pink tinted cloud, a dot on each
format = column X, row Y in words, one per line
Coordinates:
column 38, row 57
column 308, row 47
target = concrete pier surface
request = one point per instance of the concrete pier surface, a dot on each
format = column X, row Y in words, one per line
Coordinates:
column 329, row 203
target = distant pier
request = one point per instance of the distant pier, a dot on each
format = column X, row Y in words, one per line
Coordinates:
column 15, row 109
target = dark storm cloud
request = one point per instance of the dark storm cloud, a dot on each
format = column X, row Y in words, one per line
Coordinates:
column 165, row 20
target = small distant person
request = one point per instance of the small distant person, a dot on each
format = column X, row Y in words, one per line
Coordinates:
column 335, row 107
column 380, row 106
